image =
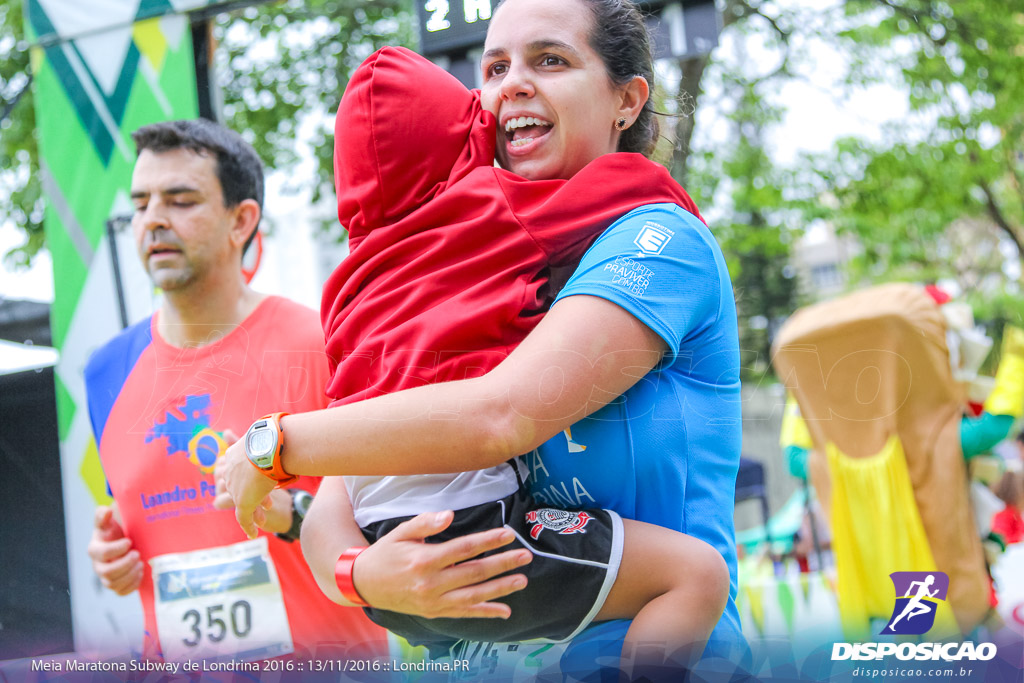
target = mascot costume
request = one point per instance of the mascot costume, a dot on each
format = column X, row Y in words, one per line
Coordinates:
column 880, row 379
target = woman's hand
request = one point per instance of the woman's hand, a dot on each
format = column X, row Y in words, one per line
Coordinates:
column 402, row 573
column 239, row 485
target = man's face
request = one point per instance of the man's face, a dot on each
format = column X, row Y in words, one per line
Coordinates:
column 182, row 228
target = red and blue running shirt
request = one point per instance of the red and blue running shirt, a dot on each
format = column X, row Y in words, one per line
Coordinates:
column 159, row 414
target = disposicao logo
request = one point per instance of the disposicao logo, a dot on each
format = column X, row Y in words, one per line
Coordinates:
column 947, row 652
column 917, row 598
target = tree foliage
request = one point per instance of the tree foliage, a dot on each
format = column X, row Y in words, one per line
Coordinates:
column 735, row 177
column 283, row 65
column 21, row 199
column 279, row 65
column 939, row 193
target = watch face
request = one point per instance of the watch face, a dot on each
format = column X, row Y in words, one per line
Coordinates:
column 260, row 444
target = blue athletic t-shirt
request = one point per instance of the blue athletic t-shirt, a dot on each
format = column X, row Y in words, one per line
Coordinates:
column 667, row 451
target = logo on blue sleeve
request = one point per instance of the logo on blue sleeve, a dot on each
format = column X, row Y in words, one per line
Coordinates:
column 652, row 238
column 917, row 598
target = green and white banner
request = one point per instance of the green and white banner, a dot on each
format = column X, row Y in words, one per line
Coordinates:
column 102, row 68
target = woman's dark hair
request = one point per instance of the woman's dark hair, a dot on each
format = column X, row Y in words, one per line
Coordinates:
column 621, row 39
column 238, row 167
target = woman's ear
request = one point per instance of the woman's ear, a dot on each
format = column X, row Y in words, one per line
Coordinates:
column 634, row 97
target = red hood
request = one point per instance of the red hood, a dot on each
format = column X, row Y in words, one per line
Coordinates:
column 394, row 152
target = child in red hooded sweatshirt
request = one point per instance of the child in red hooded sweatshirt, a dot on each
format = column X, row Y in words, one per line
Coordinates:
column 452, row 263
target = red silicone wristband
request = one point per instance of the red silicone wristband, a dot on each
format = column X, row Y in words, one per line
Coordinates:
column 343, row 576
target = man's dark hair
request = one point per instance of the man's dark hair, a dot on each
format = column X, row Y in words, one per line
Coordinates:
column 237, row 165
column 1020, row 437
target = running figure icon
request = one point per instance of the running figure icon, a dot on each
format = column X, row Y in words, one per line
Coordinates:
column 915, row 606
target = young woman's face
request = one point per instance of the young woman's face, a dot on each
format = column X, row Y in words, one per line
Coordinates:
column 555, row 104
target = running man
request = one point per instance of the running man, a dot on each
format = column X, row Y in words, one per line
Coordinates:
column 164, row 393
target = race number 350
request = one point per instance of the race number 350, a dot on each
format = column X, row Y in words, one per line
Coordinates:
column 222, row 602
column 239, row 620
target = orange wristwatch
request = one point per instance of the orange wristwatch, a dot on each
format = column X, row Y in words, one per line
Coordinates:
column 263, row 443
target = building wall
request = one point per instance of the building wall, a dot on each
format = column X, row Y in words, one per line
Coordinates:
column 762, row 420
column 821, row 259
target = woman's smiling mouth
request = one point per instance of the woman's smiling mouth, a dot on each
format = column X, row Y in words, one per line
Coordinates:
column 522, row 130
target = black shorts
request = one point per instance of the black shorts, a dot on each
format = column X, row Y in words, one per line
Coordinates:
column 576, row 556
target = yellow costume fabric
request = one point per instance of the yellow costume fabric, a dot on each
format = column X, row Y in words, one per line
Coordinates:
column 1007, row 397
column 871, row 374
column 794, row 429
column 874, row 511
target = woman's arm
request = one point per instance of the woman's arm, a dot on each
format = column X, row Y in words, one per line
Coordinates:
column 583, row 354
column 586, row 352
column 400, row 572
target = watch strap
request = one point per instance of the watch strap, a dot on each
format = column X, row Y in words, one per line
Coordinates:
column 343, row 576
column 295, row 530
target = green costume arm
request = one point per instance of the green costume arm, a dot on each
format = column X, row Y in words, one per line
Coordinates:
column 1004, row 405
column 796, row 460
column 980, row 434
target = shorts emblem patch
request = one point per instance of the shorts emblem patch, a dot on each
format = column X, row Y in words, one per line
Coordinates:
column 562, row 521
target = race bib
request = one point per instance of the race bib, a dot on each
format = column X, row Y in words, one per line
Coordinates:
column 220, row 603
